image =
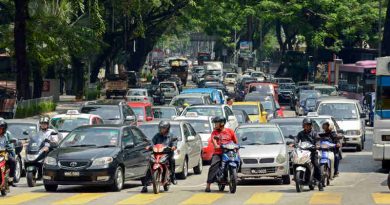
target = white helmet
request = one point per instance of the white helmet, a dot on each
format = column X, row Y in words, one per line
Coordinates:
column 329, row 123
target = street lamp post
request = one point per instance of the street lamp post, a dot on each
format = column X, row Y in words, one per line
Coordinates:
column 380, row 29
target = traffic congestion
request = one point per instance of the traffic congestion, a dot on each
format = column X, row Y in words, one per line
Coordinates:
column 229, row 128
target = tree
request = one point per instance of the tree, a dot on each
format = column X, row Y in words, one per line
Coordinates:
column 386, row 34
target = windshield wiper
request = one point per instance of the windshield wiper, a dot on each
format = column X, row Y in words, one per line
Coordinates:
column 272, row 143
column 83, row 145
column 255, row 143
column 107, row 145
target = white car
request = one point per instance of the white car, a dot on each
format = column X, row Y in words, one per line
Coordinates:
column 230, row 78
column 139, row 95
column 259, row 75
column 349, row 116
column 212, row 111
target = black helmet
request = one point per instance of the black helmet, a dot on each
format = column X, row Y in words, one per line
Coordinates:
column 219, row 119
column 3, row 124
column 164, row 124
column 44, row 119
column 307, row 121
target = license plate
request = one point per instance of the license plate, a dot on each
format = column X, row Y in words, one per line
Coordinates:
column 71, row 174
column 259, row 171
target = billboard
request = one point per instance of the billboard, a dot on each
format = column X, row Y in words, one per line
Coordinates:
column 246, row 49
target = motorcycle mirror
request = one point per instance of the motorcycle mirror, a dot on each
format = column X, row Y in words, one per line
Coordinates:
column 244, row 139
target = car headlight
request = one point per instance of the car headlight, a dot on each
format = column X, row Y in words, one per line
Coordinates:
column 280, row 159
column 353, row 132
column 50, row 161
column 31, row 157
column 103, row 161
column 205, row 143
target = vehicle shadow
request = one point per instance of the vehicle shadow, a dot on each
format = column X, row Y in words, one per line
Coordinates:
column 262, row 182
column 86, row 189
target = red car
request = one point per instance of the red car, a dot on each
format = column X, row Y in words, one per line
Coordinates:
column 143, row 110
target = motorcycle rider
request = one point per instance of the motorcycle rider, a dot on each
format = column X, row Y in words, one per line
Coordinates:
column 163, row 137
column 5, row 143
column 47, row 133
column 309, row 135
column 224, row 135
column 330, row 135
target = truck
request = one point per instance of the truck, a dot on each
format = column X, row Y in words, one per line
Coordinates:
column 179, row 66
column 214, row 70
column 116, row 84
column 203, row 57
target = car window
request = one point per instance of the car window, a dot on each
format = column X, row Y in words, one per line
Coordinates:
column 127, row 137
column 191, row 129
column 228, row 111
column 94, row 121
column 139, row 137
column 186, row 132
column 149, row 111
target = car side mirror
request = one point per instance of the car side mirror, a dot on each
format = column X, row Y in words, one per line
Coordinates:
column 129, row 145
column 191, row 138
column 363, row 115
column 130, row 118
column 244, row 139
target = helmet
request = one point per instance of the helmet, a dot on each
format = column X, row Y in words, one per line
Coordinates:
column 164, row 124
column 3, row 124
column 186, row 105
column 219, row 119
column 329, row 123
column 44, row 119
column 307, row 121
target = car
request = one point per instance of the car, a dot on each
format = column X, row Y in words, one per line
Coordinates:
column 286, row 93
column 190, row 99
column 265, row 152
column 175, row 78
column 325, row 90
column 283, row 80
column 218, row 86
column 165, row 112
column 272, row 107
column 197, row 73
column 230, row 78
column 242, row 116
column 189, row 151
column 163, row 73
column 309, row 105
column 169, row 90
column 216, row 95
column 143, row 110
column 111, row 111
column 139, row 95
column 349, row 116
column 203, row 126
column 255, row 110
column 258, row 75
column 264, row 88
column 65, row 123
column 99, row 155
column 214, row 110
column 303, row 95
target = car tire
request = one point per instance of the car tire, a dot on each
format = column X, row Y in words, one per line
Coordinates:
column 18, row 170
column 184, row 173
column 51, row 188
column 118, row 180
column 385, row 164
column 358, row 148
column 199, row 168
column 286, row 179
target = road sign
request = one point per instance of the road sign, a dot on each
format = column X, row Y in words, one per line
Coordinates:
column 246, row 49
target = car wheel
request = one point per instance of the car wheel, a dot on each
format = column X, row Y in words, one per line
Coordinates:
column 51, row 188
column 286, row 179
column 118, row 180
column 358, row 148
column 184, row 173
column 18, row 170
column 199, row 168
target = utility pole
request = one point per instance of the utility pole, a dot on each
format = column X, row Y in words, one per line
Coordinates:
column 380, row 29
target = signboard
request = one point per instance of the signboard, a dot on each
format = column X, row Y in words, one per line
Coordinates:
column 246, row 49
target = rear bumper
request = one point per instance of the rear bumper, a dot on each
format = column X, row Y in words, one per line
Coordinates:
column 381, row 152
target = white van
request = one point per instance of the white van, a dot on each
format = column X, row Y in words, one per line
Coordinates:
column 349, row 116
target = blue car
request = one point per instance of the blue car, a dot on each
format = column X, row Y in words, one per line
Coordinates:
column 215, row 94
column 309, row 105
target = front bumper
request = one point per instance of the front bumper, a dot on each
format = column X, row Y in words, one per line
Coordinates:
column 352, row 140
column 86, row 177
column 263, row 171
column 381, row 152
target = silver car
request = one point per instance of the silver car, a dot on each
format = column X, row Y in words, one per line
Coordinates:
column 139, row 95
column 189, row 147
column 265, row 152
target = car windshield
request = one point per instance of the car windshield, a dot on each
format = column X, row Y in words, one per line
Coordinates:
column 326, row 91
column 17, row 129
column 231, row 76
column 152, row 129
column 205, row 111
column 286, row 87
column 268, row 105
column 137, row 93
column 213, row 72
column 257, row 75
column 139, row 111
column 167, row 85
column 285, row 81
column 165, row 113
column 261, row 89
column 200, row 126
column 68, row 124
column 259, row 136
column 91, row 137
column 308, row 94
column 340, row 111
column 311, row 102
column 290, row 128
column 250, row 109
column 191, row 101
column 105, row 112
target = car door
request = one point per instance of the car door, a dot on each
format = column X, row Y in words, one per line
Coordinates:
column 129, row 153
column 196, row 145
column 187, row 144
column 229, row 113
column 143, row 156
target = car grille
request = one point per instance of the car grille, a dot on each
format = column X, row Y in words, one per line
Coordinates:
column 74, row 164
column 267, row 160
column 250, row 161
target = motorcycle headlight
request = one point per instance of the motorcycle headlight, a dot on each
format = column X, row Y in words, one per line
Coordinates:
column 31, row 157
column 103, row 161
column 50, row 161
column 280, row 159
column 205, row 143
column 353, row 132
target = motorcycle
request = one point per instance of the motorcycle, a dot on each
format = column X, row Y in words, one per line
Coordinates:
column 303, row 167
column 159, row 169
column 18, row 158
column 326, row 161
column 4, row 171
column 229, row 167
column 35, row 156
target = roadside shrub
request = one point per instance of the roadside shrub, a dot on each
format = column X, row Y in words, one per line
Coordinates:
column 35, row 109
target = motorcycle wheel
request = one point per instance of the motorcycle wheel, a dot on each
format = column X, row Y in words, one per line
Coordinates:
column 31, row 180
column 3, row 192
column 221, row 187
column 232, row 180
column 299, row 175
column 324, row 174
column 388, row 180
column 18, row 170
column 156, row 181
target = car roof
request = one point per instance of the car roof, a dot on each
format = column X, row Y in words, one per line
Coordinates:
column 22, row 121
column 199, row 90
column 247, row 103
column 338, row 100
column 81, row 115
column 249, row 125
column 104, row 102
column 287, row 119
column 200, row 117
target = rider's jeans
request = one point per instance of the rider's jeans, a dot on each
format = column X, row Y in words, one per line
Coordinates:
column 314, row 160
column 12, row 165
column 336, row 162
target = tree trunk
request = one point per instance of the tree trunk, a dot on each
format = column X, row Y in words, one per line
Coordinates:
column 37, row 80
column 386, row 34
column 78, row 77
column 23, row 72
column 143, row 47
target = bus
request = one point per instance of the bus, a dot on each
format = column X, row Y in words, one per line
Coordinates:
column 203, row 57
column 381, row 144
column 357, row 79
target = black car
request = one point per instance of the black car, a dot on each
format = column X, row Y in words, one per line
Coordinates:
column 102, row 155
column 286, row 93
column 112, row 111
column 217, row 85
column 163, row 73
column 242, row 116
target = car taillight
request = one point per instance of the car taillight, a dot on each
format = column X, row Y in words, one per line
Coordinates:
column 145, row 98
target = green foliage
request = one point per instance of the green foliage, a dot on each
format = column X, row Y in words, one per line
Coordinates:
column 35, row 109
column 92, row 94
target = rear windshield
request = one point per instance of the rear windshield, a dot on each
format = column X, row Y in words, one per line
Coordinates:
column 106, row 112
column 250, row 109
